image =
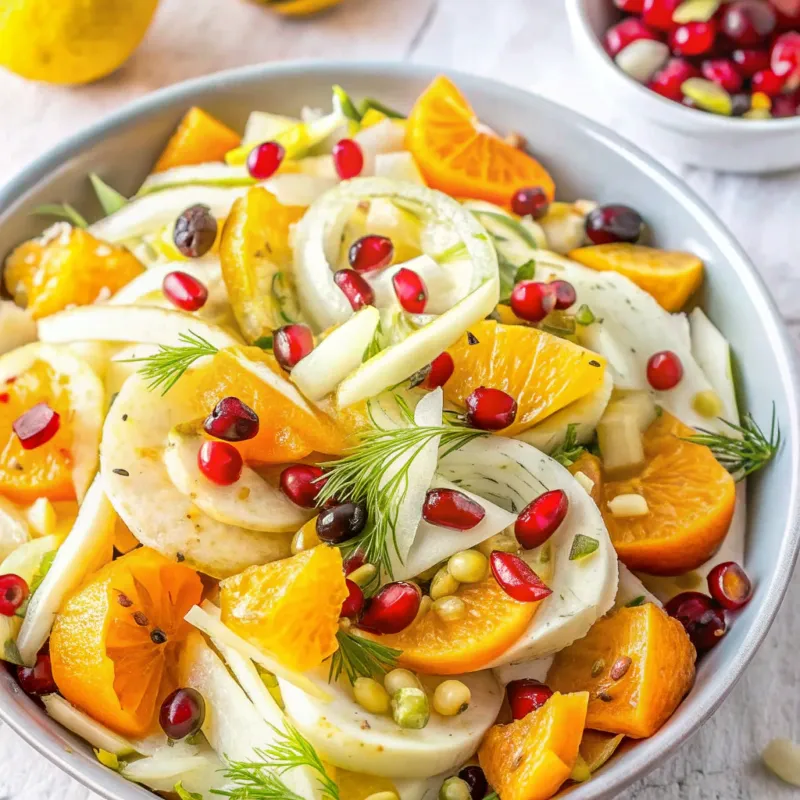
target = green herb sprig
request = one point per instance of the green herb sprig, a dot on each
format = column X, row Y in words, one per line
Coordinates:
column 166, row 367
column 358, row 657
column 744, row 454
column 63, row 211
column 361, row 476
column 569, row 451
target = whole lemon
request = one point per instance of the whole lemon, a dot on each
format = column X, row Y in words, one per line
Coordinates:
column 70, row 41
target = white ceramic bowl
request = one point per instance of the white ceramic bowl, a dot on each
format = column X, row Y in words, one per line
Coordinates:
column 670, row 129
column 586, row 160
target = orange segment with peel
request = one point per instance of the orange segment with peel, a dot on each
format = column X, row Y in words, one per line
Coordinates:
column 288, row 430
column 670, row 276
column 492, row 623
column 67, row 267
column 542, row 372
column 198, row 139
column 463, row 158
column 531, row 758
column 255, row 253
column 636, row 665
column 690, row 497
column 116, row 641
column 289, row 608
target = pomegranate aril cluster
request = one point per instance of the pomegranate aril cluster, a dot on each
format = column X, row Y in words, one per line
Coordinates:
column 737, row 58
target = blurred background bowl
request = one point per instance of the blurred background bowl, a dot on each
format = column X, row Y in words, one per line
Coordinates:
column 712, row 141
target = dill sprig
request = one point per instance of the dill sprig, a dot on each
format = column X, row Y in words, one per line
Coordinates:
column 743, row 454
column 358, row 657
column 360, row 476
column 569, row 451
column 166, row 367
column 261, row 780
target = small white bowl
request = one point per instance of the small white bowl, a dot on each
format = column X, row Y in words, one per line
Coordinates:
column 693, row 137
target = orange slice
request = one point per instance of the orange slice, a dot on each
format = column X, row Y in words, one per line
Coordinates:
column 636, row 666
column 68, row 268
column 289, row 608
column 529, row 759
column 256, row 257
column 670, row 276
column 492, row 623
column 462, row 158
column 543, row 373
column 287, row 431
column 199, row 138
column 690, row 497
column 116, row 641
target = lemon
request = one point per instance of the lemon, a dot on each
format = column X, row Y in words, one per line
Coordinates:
column 70, row 41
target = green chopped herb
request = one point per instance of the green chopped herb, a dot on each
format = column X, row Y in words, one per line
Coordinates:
column 346, row 105
column 582, row 546
column 371, row 103
column 358, row 657
column 526, row 271
column 584, row 316
column 569, row 451
column 62, row 211
column 109, row 198
column 36, row 581
column 184, row 794
column 637, row 601
column 264, row 342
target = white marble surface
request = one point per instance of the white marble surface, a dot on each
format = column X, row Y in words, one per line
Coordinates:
column 524, row 42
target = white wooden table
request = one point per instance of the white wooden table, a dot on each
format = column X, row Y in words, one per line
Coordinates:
column 523, row 42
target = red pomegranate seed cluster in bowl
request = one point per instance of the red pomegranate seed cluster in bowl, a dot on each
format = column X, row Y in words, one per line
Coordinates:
column 736, row 58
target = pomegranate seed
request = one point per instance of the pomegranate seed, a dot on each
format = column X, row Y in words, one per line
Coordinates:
column 341, row 523
column 619, row 36
column 565, row 294
column 264, row 159
column 348, row 158
column 392, row 609
column 301, row 483
column 370, row 253
column 442, row 368
column 730, row 586
column 448, row 508
column 747, row 22
column 526, row 695
column 532, row 300
column 184, row 291
column 220, row 462
column 13, row 591
column 664, row 370
column 355, row 560
column 182, row 713
column 530, row 202
column 613, row 223
column 4, row 397
column 540, row 519
column 630, row 6
column 788, row 13
column 195, row 231
column 767, row 82
column 410, row 290
column 749, row 61
column 668, row 81
column 701, row 616
column 291, row 344
column 232, row 420
column 358, row 292
column 658, row 13
column 37, row 426
column 724, row 73
column 693, row 38
column 516, row 578
column 474, row 777
column 490, row 409
column 786, row 105
column 785, row 57
column 354, row 601
column 37, row 680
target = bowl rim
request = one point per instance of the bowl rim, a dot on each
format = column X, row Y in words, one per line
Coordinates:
column 685, row 118
column 647, row 755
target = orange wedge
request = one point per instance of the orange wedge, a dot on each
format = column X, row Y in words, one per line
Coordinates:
column 671, row 277
column 116, row 642
column 531, row 758
column 462, row 158
column 690, row 497
column 543, row 373
column 72, row 268
column 287, row 431
column 289, row 608
column 199, row 138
